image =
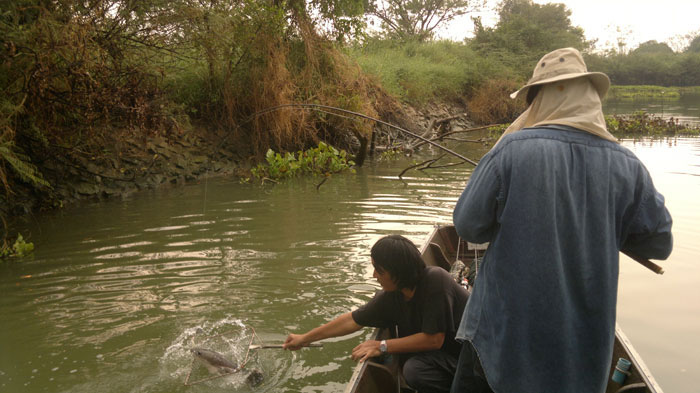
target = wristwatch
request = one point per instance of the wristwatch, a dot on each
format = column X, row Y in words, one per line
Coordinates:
column 382, row 347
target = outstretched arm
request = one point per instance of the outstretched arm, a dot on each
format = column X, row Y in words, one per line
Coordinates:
column 339, row 326
column 419, row 342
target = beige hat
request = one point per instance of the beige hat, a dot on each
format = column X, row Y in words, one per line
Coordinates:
column 562, row 64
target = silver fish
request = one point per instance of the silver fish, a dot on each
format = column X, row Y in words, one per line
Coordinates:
column 215, row 362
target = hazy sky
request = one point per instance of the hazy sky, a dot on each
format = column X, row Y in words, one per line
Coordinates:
column 639, row 20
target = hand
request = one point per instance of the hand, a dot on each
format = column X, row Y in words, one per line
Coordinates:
column 366, row 350
column 294, row 342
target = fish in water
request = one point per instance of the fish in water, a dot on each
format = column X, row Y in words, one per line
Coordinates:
column 215, row 362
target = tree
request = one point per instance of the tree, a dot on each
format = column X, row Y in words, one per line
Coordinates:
column 418, row 19
column 687, row 70
column 694, row 46
column 528, row 30
column 653, row 47
column 339, row 18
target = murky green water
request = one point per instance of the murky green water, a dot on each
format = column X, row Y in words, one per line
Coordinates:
column 116, row 291
column 113, row 287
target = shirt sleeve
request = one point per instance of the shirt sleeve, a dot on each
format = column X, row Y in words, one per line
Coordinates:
column 650, row 235
column 474, row 215
column 375, row 313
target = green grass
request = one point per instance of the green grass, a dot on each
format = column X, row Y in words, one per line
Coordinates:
column 418, row 73
column 637, row 92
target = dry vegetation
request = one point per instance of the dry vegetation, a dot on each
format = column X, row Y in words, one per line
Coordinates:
column 80, row 81
column 491, row 102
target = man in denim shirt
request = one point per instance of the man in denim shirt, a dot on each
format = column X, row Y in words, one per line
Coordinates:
column 557, row 198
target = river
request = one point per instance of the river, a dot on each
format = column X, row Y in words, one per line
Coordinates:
column 116, row 291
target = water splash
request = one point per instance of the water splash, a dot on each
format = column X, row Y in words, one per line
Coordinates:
column 231, row 337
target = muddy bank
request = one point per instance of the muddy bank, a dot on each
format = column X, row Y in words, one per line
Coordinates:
column 121, row 168
column 124, row 166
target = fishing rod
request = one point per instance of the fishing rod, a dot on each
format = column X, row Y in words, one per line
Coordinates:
column 321, row 108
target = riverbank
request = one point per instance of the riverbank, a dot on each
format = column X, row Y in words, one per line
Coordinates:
column 128, row 163
column 122, row 167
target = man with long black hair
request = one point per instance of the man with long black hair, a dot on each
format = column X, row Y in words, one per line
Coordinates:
column 426, row 305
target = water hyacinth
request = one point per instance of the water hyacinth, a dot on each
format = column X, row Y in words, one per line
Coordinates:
column 321, row 160
column 642, row 123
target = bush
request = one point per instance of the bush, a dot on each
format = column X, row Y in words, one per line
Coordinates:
column 491, row 103
column 20, row 248
column 642, row 123
column 322, row 160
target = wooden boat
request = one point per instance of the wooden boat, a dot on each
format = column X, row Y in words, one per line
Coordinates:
column 442, row 248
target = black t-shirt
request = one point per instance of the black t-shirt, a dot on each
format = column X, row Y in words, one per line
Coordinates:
column 436, row 307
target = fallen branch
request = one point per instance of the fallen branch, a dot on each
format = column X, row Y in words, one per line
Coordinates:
column 417, row 165
column 464, row 140
column 434, row 123
column 471, row 129
column 262, row 181
column 320, row 107
column 321, row 183
column 452, row 133
column 430, row 166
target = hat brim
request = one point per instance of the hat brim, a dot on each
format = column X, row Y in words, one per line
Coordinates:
column 600, row 81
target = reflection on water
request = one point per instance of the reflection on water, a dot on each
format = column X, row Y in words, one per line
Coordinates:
column 115, row 290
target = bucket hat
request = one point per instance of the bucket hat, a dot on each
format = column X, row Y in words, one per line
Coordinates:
column 563, row 64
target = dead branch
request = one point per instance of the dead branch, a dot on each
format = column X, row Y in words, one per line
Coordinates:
column 471, row 129
column 417, row 165
column 430, row 166
column 435, row 123
column 421, row 143
column 319, row 106
column 384, row 148
column 318, row 186
column 464, row 140
column 431, row 162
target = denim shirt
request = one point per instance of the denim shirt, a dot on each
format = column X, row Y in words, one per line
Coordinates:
column 557, row 205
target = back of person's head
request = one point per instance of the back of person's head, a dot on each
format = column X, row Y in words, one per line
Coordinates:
column 563, row 92
column 400, row 257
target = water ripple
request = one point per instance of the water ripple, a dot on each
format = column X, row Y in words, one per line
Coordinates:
column 113, row 286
